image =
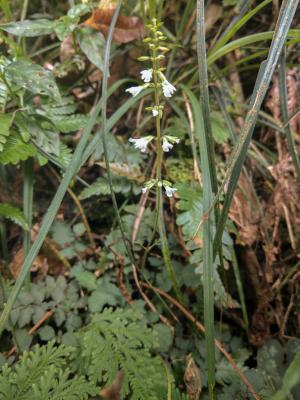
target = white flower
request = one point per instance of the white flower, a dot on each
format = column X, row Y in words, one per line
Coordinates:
column 135, row 90
column 144, row 190
column 147, row 75
column 167, row 87
column 155, row 112
column 170, row 191
column 141, row 143
column 166, row 145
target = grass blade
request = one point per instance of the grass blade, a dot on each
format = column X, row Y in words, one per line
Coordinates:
column 265, row 74
column 249, row 40
column 53, row 208
column 237, row 26
column 209, row 187
column 285, row 114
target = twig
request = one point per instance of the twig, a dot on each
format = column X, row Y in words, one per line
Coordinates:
column 201, row 328
column 147, row 300
column 44, row 318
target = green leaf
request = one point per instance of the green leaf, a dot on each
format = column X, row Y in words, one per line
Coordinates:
column 64, row 26
column 79, row 10
column 165, row 337
column 61, row 233
column 105, row 294
column 220, row 131
column 29, row 28
column 5, row 124
column 70, row 124
column 33, row 77
column 46, row 333
column 86, row 279
column 16, row 150
column 290, row 379
column 23, row 339
column 190, row 205
column 14, row 214
column 25, row 316
column 92, row 44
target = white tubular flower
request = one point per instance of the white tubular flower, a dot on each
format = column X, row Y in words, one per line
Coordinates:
column 155, row 112
column 170, row 191
column 135, row 90
column 166, row 146
column 146, row 75
column 141, row 143
column 144, row 190
column 167, row 87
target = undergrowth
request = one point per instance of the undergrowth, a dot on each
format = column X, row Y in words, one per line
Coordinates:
column 149, row 168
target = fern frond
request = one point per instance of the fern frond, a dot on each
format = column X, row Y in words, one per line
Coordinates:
column 71, row 123
column 5, row 124
column 32, row 369
column 61, row 387
column 14, row 214
column 120, row 340
column 3, row 95
column 65, row 154
column 16, row 150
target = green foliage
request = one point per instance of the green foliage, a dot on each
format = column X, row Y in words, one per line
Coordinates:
column 14, row 214
column 63, row 299
column 92, row 44
column 32, row 77
column 290, row 379
column 43, row 374
column 113, row 341
column 100, row 187
column 118, row 340
column 5, row 124
column 16, row 150
column 191, row 211
column 190, row 205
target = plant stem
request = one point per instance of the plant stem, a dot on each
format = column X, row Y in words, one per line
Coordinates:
column 4, row 4
column 159, row 159
column 28, row 206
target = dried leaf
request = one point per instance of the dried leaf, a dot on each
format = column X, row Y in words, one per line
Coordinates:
column 192, row 379
column 244, row 213
column 127, row 28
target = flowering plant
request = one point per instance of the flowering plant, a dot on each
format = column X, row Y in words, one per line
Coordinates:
column 155, row 79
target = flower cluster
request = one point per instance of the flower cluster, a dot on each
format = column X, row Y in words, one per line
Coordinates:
column 154, row 78
column 147, row 75
column 153, row 182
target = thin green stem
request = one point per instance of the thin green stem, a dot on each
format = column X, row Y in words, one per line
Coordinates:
column 28, row 206
column 159, row 159
column 4, row 4
column 104, row 132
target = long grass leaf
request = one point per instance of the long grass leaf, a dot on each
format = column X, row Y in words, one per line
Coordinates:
column 52, row 210
column 249, row 40
column 285, row 114
column 237, row 26
column 209, row 186
column 287, row 13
